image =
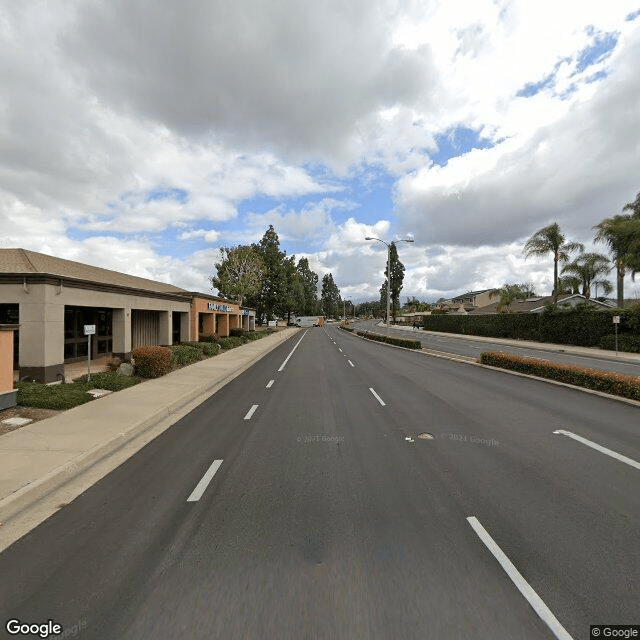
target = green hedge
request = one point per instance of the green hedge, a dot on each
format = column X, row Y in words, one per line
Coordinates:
column 398, row 342
column 582, row 326
column 67, row 396
column 346, row 328
column 183, row 354
column 606, row 381
column 152, row 362
column 236, row 332
column 629, row 342
column 231, row 342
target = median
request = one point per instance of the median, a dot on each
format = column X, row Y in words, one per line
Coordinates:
column 616, row 384
column 397, row 342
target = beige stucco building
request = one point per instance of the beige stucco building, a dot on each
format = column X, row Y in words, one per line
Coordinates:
column 53, row 300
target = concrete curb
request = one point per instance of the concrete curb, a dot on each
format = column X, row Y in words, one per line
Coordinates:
column 472, row 361
column 24, row 498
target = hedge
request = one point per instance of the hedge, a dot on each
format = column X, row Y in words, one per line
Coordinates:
column 183, row 354
column 212, row 338
column 236, row 332
column 152, row 362
column 67, row 396
column 607, row 381
column 346, row 328
column 398, row 342
column 582, row 326
column 629, row 342
column 231, row 342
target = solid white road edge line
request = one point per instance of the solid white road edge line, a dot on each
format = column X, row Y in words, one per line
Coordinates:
column 292, row 350
column 523, row 586
column 599, row 448
column 251, row 412
column 378, row 398
column 351, row 363
column 270, row 383
column 196, row 494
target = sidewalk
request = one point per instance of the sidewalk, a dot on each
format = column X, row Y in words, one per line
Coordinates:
column 38, row 459
column 592, row 352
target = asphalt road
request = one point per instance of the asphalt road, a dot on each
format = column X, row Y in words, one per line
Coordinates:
column 329, row 517
column 464, row 346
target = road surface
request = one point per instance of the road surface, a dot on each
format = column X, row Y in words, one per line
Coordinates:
column 300, row 501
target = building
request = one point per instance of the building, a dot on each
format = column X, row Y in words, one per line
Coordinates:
column 52, row 300
column 474, row 299
column 537, row 304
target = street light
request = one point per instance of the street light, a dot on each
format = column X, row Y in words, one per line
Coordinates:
column 389, row 271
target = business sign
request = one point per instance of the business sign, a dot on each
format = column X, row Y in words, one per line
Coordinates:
column 220, row 307
column 247, row 312
column 89, row 329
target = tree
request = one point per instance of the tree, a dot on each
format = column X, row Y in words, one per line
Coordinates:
column 270, row 298
column 588, row 269
column 510, row 292
column 293, row 290
column 309, row 281
column 621, row 233
column 551, row 240
column 397, row 277
column 331, row 301
column 239, row 273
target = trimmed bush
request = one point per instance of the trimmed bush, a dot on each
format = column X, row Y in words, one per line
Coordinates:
column 183, row 354
column 236, row 332
column 231, row 342
column 152, row 362
column 398, row 342
column 583, row 326
column 107, row 380
column 346, row 328
column 629, row 342
column 212, row 338
column 607, row 381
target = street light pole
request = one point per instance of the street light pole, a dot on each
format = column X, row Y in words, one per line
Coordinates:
column 389, row 272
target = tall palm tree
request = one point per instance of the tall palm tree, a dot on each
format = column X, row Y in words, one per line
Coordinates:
column 622, row 235
column 551, row 240
column 588, row 267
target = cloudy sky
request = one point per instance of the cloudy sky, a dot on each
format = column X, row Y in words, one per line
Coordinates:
column 142, row 136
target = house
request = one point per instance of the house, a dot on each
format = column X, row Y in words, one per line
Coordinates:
column 537, row 304
column 475, row 299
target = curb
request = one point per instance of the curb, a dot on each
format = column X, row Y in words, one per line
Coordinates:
column 472, row 361
column 28, row 495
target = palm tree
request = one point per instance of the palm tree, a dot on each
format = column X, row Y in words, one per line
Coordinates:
column 551, row 239
column 622, row 235
column 587, row 268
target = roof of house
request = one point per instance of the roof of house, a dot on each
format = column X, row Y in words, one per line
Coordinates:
column 537, row 303
column 24, row 262
column 472, row 293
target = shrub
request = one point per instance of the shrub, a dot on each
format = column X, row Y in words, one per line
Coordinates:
column 152, row 362
column 212, row 338
column 626, row 342
column 60, row 396
column 183, row 354
column 231, row 342
column 398, row 342
column 107, row 380
column 606, row 381
column 346, row 328
column 236, row 332
column 583, row 326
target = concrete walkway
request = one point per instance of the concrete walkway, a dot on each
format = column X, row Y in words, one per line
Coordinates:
column 38, row 459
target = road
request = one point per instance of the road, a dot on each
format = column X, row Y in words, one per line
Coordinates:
column 327, row 516
column 468, row 347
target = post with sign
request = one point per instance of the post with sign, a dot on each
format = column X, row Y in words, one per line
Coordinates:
column 89, row 330
column 616, row 322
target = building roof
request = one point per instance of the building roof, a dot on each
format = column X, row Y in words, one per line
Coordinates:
column 472, row 294
column 24, row 262
column 537, row 303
